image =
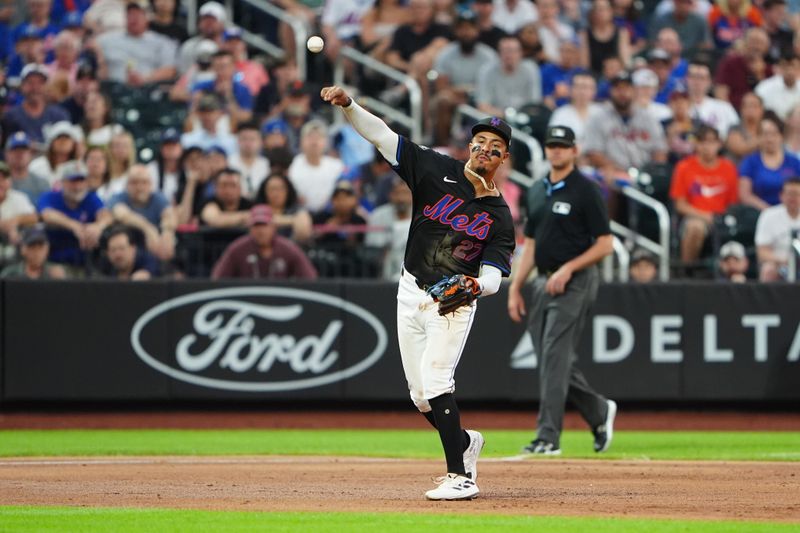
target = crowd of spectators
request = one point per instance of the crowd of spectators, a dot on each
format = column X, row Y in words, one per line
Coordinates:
column 707, row 90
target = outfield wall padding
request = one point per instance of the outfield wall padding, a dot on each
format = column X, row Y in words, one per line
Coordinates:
column 171, row 341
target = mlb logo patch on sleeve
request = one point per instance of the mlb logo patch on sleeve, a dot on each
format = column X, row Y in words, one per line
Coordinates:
column 562, row 208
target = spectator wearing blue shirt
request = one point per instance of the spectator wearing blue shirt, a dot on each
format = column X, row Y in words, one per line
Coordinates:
column 76, row 217
column 761, row 175
column 29, row 48
column 237, row 99
column 557, row 77
column 33, row 112
column 149, row 211
column 39, row 20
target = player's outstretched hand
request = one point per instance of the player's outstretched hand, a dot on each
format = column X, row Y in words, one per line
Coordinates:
column 516, row 305
column 335, row 95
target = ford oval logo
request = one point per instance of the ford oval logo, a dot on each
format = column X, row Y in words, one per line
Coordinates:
column 258, row 339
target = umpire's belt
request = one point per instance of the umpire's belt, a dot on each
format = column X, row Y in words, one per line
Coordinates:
column 423, row 286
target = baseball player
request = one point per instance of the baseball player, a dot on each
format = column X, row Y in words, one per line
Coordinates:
column 459, row 247
column 567, row 232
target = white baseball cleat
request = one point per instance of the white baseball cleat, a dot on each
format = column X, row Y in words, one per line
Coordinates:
column 472, row 452
column 605, row 432
column 453, row 487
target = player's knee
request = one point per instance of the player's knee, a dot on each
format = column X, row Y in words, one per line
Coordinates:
column 421, row 403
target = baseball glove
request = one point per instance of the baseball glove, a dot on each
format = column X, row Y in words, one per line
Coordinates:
column 454, row 292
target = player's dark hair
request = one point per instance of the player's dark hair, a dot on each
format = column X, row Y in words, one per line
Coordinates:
column 225, row 171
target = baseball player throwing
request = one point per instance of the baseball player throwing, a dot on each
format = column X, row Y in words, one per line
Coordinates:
column 459, row 247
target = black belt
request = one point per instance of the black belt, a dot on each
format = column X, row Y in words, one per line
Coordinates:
column 421, row 285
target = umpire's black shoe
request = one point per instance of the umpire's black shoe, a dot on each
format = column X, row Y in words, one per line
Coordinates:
column 541, row 447
column 605, row 432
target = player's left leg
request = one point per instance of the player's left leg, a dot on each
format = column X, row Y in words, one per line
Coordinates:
column 446, row 339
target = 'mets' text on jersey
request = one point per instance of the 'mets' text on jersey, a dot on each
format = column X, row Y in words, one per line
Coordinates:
column 452, row 231
column 564, row 219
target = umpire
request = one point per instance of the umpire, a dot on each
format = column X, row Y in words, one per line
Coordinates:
column 566, row 234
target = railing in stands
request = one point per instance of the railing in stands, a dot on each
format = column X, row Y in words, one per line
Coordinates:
column 662, row 248
column 536, row 166
column 298, row 26
column 794, row 251
column 412, row 122
column 623, row 260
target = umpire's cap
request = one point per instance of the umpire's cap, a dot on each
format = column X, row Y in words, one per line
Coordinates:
column 495, row 125
column 560, row 136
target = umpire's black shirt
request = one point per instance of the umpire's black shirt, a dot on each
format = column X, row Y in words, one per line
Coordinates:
column 565, row 219
column 452, row 231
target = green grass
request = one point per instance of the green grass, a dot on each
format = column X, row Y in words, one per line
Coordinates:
column 92, row 520
column 688, row 445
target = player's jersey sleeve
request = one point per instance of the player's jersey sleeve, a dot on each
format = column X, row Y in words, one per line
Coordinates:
column 501, row 248
column 414, row 161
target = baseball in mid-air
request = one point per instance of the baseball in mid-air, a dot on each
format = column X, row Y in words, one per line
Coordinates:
column 315, row 44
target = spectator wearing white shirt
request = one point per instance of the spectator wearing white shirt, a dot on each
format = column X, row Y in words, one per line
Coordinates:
column 551, row 30
column 16, row 208
column 781, row 92
column 511, row 15
column 395, row 219
column 208, row 111
column 253, row 166
column 581, row 108
column 774, row 230
column 210, row 26
column 645, row 85
column 712, row 111
column 313, row 173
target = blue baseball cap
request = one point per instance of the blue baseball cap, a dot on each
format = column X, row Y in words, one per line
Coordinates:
column 18, row 140
column 73, row 20
column 215, row 148
column 29, row 31
column 275, row 126
column 170, row 135
column 234, row 32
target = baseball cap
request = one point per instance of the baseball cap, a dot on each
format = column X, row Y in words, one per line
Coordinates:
column 560, row 136
column 466, row 15
column 494, row 125
column 209, row 102
column 62, row 127
column 213, row 9
column 234, row 32
column 645, row 77
column 34, row 68
column 622, row 77
column 73, row 170
column 260, row 214
column 275, row 126
column 658, row 54
column 732, row 249
column 642, row 255
column 144, row 5
column 297, row 88
column 170, row 135
column 345, row 187
column 73, row 19
column 18, row 139
column 34, row 234
column 29, row 31
column 216, row 149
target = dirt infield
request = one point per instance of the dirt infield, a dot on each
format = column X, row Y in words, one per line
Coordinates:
column 544, row 486
column 687, row 490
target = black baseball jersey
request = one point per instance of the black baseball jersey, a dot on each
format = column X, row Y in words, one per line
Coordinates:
column 565, row 219
column 452, row 232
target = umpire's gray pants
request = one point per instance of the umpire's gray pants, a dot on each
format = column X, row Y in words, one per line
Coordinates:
column 556, row 324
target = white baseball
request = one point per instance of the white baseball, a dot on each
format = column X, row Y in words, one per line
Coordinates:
column 315, row 44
